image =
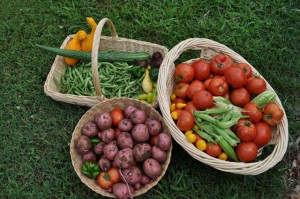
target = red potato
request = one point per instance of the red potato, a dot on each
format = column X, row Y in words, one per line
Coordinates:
column 164, row 141
column 138, row 117
column 108, row 135
column 104, row 121
column 89, row 156
column 122, row 191
column 137, row 186
column 98, row 148
column 125, row 125
column 158, row 154
column 124, row 158
column 83, row 144
column 125, row 140
column 129, row 110
column 131, row 175
column 141, row 152
column 104, row 164
column 90, row 129
column 145, row 180
column 140, row 133
column 110, row 150
column 152, row 168
column 154, row 126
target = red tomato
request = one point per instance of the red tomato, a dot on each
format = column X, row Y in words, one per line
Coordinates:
column 202, row 69
column 252, row 110
column 114, row 175
column 180, row 90
column 240, row 97
column 217, row 86
column 246, row 68
column 178, row 100
column 185, row 120
column 213, row 149
column 190, row 107
column 198, row 137
column 196, row 85
column 104, row 181
column 220, row 63
column 202, row 99
column 256, row 85
column 235, row 77
column 263, row 134
column 117, row 132
column 116, row 116
column 245, row 130
column 246, row 151
column 153, row 140
column 272, row 114
column 184, row 73
column 206, row 83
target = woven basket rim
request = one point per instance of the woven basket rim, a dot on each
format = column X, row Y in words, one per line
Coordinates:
column 166, row 78
column 106, row 105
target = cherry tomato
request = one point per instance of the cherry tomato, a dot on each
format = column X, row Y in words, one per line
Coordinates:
column 252, row 110
column 217, row 86
column 201, row 145
column 185, row 120
column 198, row 137
column 180, row 90
column 213, row 149
column 235, row 77
column 263, row 134
column 114, row 174
column 116, row 116
column 117, row 132
column 184, row 73
column 104, row 181
column 220, row 63
column 178, row 100
column 190, row 107
column 223, row 156
column 256, row 85
column 245, row 130
column 153, row 140
column 202, row 69
column 272, row 114
column 240, row 97
column 202, row 99
column 246, row 151
column 246, row 68
column 196, row 85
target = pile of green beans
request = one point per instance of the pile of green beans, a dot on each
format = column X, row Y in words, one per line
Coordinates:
column 115, row 80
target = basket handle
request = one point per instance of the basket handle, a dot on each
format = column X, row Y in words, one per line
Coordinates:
column 95, row 49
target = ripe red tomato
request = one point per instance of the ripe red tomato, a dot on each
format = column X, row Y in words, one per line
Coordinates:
column 252, row 110
column 220, row 63
column 104, row 181
column 272, row 114
column 245, row 130
column 116, row 116
column 114, row 175
column 185, row 120
column 246, row 151
column 256, row 85
column 180, row 90
column 246, row 68
column 195, row 85
column 240, row 97
column 190, row 107
column 202, row 99
column 213, row 150
column 206, row 83
column 202, row 69
column 235, row 77
column 184, row 73
column 263, row 134
column 178, row 100
column 218, row 86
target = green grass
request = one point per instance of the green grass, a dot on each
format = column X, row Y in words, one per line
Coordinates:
column 36, row 130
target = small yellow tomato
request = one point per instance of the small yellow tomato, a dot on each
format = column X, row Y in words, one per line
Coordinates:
column 201, row 145
column 188, row 133
column 223, row 156
column 191, row 137
column 196, row 127
column 173, row 96
column 172, row 107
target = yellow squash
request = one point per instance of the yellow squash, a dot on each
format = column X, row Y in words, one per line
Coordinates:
column 87, row 43
column 147, row 84
column 74, row 44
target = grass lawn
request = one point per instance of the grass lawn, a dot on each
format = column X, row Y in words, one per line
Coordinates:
column 36, row 130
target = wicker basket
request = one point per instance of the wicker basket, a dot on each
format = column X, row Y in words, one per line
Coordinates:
column 114, row 43
column 108, row 105
column 166, row 84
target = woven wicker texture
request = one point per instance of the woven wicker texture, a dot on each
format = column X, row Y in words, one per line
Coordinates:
column 207, row 49
column 114, row 43
column 108, row 105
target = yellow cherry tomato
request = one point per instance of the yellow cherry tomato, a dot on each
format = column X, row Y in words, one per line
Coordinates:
column 191, row 137
column 188, row 133
column 172, row 107
column 196, row 127
column 173, row 96
column 223, row 156
column 201, row 145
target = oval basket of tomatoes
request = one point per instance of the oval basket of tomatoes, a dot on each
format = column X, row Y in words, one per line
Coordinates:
column 221, row 110
column 121, row 148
